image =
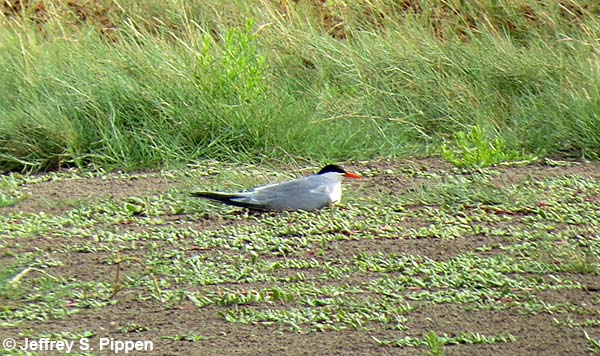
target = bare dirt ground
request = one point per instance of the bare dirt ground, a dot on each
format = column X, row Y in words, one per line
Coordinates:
column 133, row 315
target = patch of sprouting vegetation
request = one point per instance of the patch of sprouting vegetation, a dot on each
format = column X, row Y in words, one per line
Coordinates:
column 593, row 344
column 60, row 335
column 184, row 337
column 33, row 293
column 436, row 343
column 6, row 200
column 475, row 148
column 9, row 192
column 317, row 319
column 47, row 298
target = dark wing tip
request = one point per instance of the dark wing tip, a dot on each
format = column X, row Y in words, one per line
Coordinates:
column 228, row 199
column 331, row 168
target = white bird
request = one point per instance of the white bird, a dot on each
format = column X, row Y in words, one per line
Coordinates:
column 308, row 193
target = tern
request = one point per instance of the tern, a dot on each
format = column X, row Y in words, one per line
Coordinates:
column 308, row 193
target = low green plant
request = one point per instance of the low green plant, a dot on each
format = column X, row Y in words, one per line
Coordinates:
column 473, row 148
column 434, row 343
column 186, row 337
column 6, row 200
column 236, row 73
column 9, row 192
column 593, row 344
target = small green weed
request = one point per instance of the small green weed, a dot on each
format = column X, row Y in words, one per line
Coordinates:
column 187, row 337
column 6, row 200
column 9, row 192
column 237, row 74
column 436, row 343
column 594, row 344
column 473, row 149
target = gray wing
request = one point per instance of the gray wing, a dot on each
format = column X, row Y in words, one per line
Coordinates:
column 305, row 193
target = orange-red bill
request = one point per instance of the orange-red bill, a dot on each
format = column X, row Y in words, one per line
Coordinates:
column 352, row 175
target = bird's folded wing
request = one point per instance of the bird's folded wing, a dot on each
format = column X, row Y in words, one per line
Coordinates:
column 230, row 198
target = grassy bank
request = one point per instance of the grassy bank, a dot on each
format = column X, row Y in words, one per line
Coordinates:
column 147, row 84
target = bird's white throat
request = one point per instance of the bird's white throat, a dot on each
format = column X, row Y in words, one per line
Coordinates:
column 336, row 193
column 333, row 187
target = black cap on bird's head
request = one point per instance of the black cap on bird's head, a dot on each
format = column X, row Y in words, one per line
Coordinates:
column 334, row 168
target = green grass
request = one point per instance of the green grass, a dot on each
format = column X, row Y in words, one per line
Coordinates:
column 167, row 84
